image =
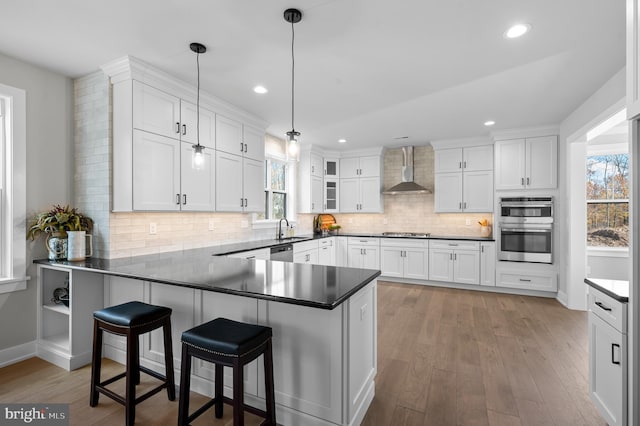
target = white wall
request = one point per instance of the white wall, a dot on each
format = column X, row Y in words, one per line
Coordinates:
column 588, row 114
column 49, row 176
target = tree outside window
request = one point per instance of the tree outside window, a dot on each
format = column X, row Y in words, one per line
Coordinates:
column 608, row 200
column 275, row 192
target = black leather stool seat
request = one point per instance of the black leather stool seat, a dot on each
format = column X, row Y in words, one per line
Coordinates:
column 234, row 344
column 226, row 337
column 132, row 314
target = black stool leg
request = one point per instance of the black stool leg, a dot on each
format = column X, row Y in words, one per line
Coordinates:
column 132, row 367
column 219, row 387
column 185, row 383
column 269, row 386
column 136, row 368
column 238, row 394
column 96, row 363
column 168, row 360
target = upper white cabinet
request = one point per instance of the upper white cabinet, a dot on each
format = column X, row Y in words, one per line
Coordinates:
column 233, row 137
column 310, row 183
column 633, row 59
column 331, row 168
column 331, row 191
column 527, row 163
column 361, row 184
column 189, row 125
column 367, row 166
column 464, row 179
column 239, row 183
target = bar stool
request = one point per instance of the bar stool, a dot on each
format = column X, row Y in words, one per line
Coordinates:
column 131, row 319
column 227, row 343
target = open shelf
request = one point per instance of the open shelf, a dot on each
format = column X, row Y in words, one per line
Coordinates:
column 57, row 308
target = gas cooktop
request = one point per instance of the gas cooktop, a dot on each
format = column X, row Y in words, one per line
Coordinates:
column 406, row 234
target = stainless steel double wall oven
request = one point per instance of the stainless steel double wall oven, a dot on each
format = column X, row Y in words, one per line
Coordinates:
column 526, row 229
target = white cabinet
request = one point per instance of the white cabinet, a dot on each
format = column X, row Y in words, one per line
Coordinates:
column 189, row 125
column 310, row 183
column 633, row 59
column 331, row 198
column 306, row 252
column 529, row 163
column 464, row 179
column 239, row 183
column 360, row 166
column 360, row 195
column 264, row 254
column 454, row 261
column 327, row 251
column 64, row 334
column 331, row 168
column 155, row 111
column 404, row 258
column 233, row 137
column 527, row 278
column 608, row 361
column 488, row 263
column 197, row 187
column 342, row 251
column 363, row 253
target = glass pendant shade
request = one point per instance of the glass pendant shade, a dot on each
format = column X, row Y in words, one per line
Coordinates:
column 197, row 157
column 293, row 144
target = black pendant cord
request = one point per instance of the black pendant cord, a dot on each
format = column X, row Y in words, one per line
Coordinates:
column 198, row 101
column 293, row 75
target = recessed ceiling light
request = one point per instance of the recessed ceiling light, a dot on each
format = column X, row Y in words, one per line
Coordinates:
column 342, row 140
column 260, row 89
column 489, row 123
column 517, row 30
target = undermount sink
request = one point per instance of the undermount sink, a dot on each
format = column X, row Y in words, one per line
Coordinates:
column 293, row 238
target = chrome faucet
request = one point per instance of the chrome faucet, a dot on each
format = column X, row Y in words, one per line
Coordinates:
column 280, row 233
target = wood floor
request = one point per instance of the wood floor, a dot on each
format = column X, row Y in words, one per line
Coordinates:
column 445, row 357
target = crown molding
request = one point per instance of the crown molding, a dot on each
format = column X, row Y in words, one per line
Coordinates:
column 527, row 132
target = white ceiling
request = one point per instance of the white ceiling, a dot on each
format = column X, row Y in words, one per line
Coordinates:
column 366, row 70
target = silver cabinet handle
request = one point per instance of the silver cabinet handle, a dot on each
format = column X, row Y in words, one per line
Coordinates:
column 177, row 198
column 453, row 245
column 246, row 203
column 528, row 181
column 459, row 164
column 245, row 148
column 464, row 165
column 241, row 202
column 177, row 127
column 525, row 280
column 522, row 181
column 460, row 205
column 241, row 147
column 184, row 198
column 455, row 256
column 313, row 169
column 184, row 129
column 365, row 252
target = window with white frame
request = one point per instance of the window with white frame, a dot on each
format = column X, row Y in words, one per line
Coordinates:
column 276, row 195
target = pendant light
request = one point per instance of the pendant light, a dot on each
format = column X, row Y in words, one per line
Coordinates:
column 293, row 16
column 197, row 156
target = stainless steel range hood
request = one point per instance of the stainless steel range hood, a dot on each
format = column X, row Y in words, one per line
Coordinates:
column 407, row 185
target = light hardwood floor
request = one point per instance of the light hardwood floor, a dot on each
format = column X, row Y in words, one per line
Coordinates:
column 445, row 357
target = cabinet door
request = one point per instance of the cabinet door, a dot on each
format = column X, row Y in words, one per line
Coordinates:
column 349, row 195
column 254, row 143
column 331, row 195
column 189, row 125
column 542, row 163
column 370, row 197
column 478, row 158
column 370, row 166
column 477, row 191
column 355, row 257
column 156, row 172
column 448, row 192
column 440, row 265
column 155, row 111
column 607, row 370
column 327, row 256
column 229, row 135
column 391, row 262
column 371, row 258
column 448, row 160
column 510, row 164
column 488, row 264
column 304, row 256
column 331, row 168
column 229, row 196
column 317, row 165
column 349, row 167
column 317, row 192
column 253, row 185
column 416, row 263
column 197, row 186
column 342, row 251
column 466, row 266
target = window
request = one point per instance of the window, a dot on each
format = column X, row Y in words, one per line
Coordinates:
column 275, row 190
column 608, row 200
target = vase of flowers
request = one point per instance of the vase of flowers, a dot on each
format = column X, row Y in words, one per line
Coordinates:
column 54, row 224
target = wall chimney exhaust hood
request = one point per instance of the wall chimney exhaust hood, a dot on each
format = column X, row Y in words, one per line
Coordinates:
column 407, row 185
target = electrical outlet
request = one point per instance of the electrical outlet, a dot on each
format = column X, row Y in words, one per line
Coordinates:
column 385, row 221
column 153, row 228
column 468, row 222
column 211, row 223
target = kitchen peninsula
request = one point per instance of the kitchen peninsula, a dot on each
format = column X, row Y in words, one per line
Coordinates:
column 323, row 320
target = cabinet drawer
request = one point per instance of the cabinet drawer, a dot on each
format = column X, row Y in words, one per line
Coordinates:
column 404, row 242
column 326, row 242
column 364, row 241
column 609, row 309
column 305, row 245
column 530, row 281
column 455, row 245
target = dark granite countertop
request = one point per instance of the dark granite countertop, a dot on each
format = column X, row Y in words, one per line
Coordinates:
column 617, row 289
column 317, row 286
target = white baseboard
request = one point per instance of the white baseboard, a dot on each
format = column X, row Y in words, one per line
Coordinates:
column 17, row 353
column 563, row 298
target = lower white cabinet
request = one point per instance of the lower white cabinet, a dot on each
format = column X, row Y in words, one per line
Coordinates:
column 342, row 251
column 264, row 254
column 404, row 258
column 488, row 263
column 306, row 252
column 608, row 356
column 363, row 253
column 327, row 251
column 527, row 278
column 454, row 261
